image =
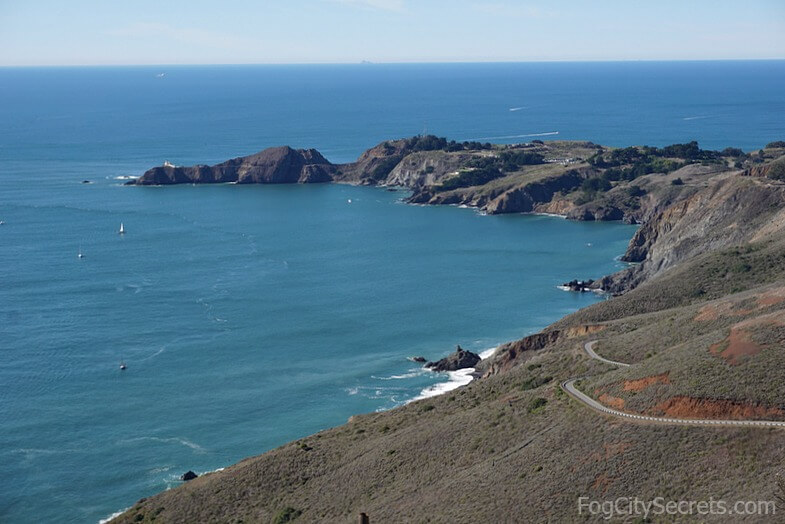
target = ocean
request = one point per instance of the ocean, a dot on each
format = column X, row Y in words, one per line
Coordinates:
column 249, row 316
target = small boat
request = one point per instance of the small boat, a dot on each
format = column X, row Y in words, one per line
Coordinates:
column 122, row 229
column 80, row 254
column 123, row 367
column 349, row 201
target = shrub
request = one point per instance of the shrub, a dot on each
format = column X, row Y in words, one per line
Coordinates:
column 385, row 167
column 595, row 184
column 512, row 160
column 742, row 267
column 778, row 143
column 777, row 170
column 537, row 405
column 733, row 151
column 636, row 191
column 677, row 182
column 473, row 177
column 287, row 514
column 535, row 382
column 426, row 143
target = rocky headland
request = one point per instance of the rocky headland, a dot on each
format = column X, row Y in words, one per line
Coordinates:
column 698, row 323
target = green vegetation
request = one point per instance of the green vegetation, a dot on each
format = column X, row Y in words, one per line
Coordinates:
column 777, row 170
column 470, row 177
column 636, row 191
column 516, row 427
column 483, row 169
column 630, row 163
column 287, row 514
column 535, row 382
column 385, row 167
column 537, row 405
column 775, row 145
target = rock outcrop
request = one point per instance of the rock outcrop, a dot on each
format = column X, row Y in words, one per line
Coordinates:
column 276, row 165
column 507, row 355
column 188, row 475
column 461, row 359
column 730, row 211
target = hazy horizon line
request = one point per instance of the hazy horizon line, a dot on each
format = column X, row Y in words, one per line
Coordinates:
column 395, row 62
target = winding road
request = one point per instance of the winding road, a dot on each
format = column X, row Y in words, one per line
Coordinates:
column 569, row 387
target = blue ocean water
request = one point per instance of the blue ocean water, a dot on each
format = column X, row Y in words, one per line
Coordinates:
column 251, row 316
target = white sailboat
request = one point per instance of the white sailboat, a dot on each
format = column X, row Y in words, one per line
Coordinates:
column 80, row 254
column 122, row 229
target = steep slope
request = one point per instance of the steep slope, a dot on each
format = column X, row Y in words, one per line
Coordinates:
column 277, row 165
column 703, row 332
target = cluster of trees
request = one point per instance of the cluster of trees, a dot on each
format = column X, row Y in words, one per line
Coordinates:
column 484, row 169
column 473, row 177
column 436, row 143
column 453, row 146
column 777, row 170
column 507, row 160
column 774, row 145
column 690, row 152
column 631, row 162
column 385, row 166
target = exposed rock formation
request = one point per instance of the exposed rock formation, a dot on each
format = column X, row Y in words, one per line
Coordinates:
column 188, row 475
column 507, row 355
column 461, row 359
column 277, row 165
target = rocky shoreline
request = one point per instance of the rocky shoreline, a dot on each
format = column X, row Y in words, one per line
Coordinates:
column 709, row 275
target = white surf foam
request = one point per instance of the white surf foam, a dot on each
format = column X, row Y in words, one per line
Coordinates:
column 126, row 177
column 488, row 352
column 172, row 440
column 514, row 109
column 113, row 516
column 457, row 379
column 699, row 117
column 554, row 215
column 400, row 377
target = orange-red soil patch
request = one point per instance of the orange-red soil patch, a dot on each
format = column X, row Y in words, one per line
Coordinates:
column 614, row 402
column 771, row 297
column 642, row 383
column 689, row 407
column 739, row 342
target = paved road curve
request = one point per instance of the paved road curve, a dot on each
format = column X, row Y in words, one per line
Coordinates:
column 569, row 387
column 589, row 347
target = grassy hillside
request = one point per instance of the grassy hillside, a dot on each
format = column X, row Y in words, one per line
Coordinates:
column 705, row 337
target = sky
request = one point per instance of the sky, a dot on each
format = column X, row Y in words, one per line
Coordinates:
column 135, row 32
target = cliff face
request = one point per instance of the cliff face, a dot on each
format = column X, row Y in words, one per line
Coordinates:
column 277, row 165
column 730, row 211
column 703, row 335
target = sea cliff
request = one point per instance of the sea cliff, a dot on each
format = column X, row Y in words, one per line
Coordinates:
column 697, row 325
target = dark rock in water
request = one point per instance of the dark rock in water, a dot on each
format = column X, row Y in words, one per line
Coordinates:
column 86, row 182
column 461, row 359
column 188, row 475
column 580, row 286
column 276, row 165
column 418, row 359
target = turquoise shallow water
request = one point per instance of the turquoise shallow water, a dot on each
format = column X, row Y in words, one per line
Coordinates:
column 250, row 316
